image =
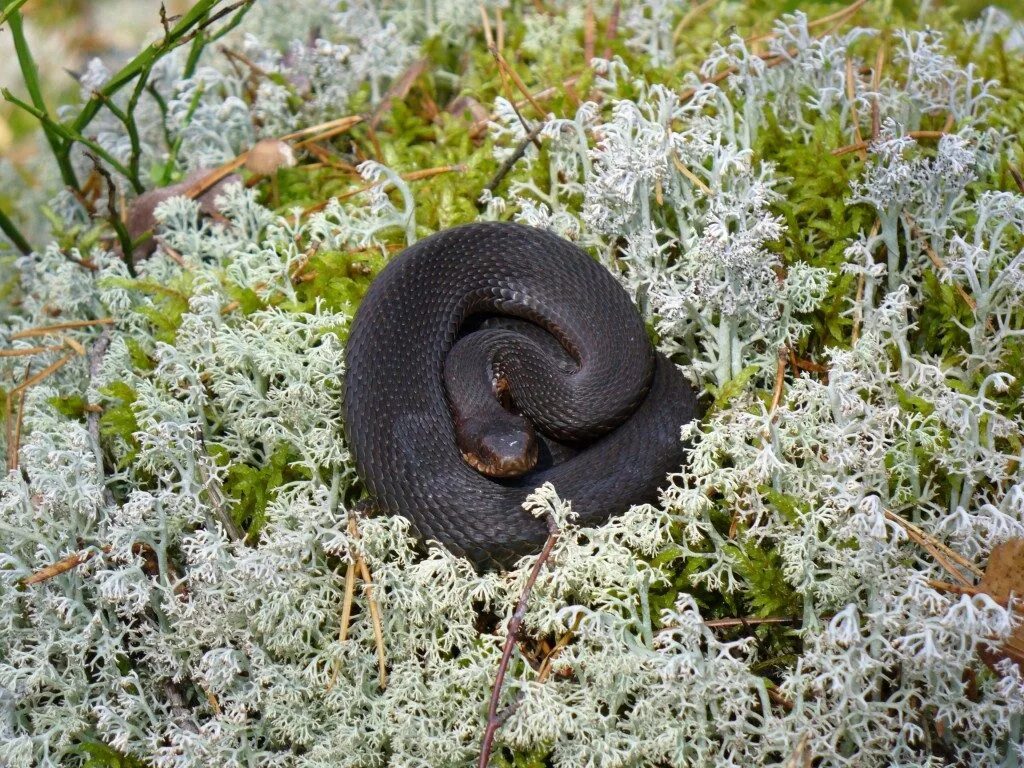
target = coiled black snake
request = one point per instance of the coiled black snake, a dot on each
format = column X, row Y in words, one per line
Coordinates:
column 491, row 314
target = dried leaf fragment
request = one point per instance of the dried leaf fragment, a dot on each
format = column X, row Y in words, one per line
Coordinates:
column 1004, row 576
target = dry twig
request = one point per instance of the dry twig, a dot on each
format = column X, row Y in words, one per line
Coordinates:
column 515, row 625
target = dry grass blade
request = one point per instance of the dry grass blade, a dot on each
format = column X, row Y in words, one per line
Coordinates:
column 851, row 97
column 801, row 757
column 61, row 566
column 876, row 83
column 509, row 71
column 691, row 176
column 858, row 308
column 959, row 589
column 945, row 556
column 689, row 17
column 839, row 17
column 564, row 640
column 861, row 146
column 780, row 378
column 29, row 350
column 331, row 127
column 751, row 621
column 346, row 615
column 378, row 625
column 423, row 173
column 44, row 330
column 399, row 90
column 311, row 134
column 613, row 28
column 13, row 423
column 589, row 33
column 1017, row 178
column 47, row 371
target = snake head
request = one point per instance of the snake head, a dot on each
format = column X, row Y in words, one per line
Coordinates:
column 503, row 448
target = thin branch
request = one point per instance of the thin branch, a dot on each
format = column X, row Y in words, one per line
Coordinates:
column 515, row 626
column 144, row 60
column 200, row 38
column 512, row 159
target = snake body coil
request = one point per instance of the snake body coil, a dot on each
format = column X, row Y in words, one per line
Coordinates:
column 518, row 311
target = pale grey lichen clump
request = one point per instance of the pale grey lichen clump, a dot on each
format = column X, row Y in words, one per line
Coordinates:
column 178, row 640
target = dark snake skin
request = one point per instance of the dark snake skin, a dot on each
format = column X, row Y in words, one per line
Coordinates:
column 397, row 416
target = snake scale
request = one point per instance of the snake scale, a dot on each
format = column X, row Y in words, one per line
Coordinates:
column 491, row 358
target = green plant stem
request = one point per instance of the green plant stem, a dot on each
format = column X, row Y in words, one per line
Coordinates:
column 145, row 60
column 10, row 8
column 125, row 239
column 127, row 116
column 30, row 76
column 202, row 39
column 14, row 234
column 70, row 136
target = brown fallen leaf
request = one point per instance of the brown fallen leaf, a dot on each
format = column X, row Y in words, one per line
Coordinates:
column 141, row 219
column 1005, row 575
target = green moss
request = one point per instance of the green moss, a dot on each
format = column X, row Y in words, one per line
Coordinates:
column 167, row 303
column 338, row 279
column 118, row 421
column 96, row 754
column 252, row 488
column 72, row 406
